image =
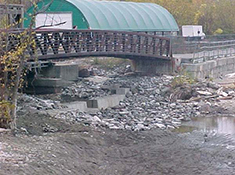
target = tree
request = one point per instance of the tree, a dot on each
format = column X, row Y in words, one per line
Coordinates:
column 211, row 14
column 225, row 19
column 14, row 53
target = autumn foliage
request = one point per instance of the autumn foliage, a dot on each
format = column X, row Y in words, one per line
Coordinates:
column 14, row 53
column 216, row 16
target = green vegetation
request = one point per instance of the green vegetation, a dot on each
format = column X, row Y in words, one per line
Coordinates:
column 184, row 78
column 109, row 63
column 215, row 16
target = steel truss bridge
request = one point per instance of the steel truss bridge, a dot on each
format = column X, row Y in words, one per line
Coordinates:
column 56, row 44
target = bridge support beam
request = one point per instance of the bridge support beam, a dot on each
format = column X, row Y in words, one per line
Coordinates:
column 153, row 66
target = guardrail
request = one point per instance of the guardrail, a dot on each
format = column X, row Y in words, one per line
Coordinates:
column 214, row 50
column 203, row 50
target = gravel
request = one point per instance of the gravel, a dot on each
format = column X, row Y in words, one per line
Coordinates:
column 152, row 102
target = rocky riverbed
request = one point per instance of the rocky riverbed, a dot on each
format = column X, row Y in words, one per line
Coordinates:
column 151, row 102
column 134, row 137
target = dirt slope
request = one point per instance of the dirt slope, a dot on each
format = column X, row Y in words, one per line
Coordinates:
column 107, row 152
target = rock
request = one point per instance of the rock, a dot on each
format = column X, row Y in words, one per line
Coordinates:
column 224, row 94
column 173, row 105
column 206, row 93
column 139, row 127
column 123, row 112
column 213, row 85
column 35, row 103
column 48, row 128
column 151, row 102
column 24, row 130
column 161, row 126
column 96, row 119
column 84, row 73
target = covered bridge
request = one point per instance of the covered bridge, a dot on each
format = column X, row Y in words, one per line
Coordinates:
column 104, row 15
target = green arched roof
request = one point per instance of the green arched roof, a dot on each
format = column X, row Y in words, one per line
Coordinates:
column 116, row 15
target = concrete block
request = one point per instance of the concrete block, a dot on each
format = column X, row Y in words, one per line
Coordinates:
column 205, row 66
column 200, row 75
column 207, row 73
column 153, row 66
column 234, row 67
column 51, row 72
column 224, row 68
column 80, row 105
column 63, row 71
column 230, row 67
column 122, row 91
column 212, row 64
column 211, row 68
column 200, row 67
column 69, row 72
column 222, row 61
column 230, row 60
column 105, row 102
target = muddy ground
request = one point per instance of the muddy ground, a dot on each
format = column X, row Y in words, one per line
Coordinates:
column 100, row 151
column 80, row 150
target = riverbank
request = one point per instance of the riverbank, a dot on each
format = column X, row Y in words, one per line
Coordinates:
column 134, row 137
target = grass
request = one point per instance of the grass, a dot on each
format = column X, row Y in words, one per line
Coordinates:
column 109, row 63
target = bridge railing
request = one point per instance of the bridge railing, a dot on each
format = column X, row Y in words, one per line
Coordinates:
column 80, row 43
column 214, row 50
column 213, row 47
column 100, row 43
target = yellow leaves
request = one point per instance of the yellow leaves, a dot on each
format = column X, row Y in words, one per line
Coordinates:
column 197, row 16
column 212, row 14
column 218, row 31
column 5, row 116
column 12, row 61
column 203, row 6
column 3, row 85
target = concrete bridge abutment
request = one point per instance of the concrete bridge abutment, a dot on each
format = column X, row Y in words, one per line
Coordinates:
column 153, row 66
column 52, row 79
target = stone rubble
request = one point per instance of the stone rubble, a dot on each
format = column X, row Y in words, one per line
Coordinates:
column 150, row 103
column 83, row 90
column 26, row 102
column 146, row 106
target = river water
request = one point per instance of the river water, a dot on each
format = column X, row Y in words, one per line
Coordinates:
column 220, row 125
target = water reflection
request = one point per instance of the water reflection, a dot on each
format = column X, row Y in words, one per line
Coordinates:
column 222, row 125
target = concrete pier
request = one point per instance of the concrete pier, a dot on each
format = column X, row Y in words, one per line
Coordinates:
column 153, row 66
column 52, row 79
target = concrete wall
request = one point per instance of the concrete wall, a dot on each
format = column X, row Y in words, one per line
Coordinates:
column 68, row 72
column 52, row 79
column 213, row 68
column 153, row 66
column 105, row 102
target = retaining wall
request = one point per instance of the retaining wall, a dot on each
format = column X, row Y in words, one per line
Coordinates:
column 213, row 68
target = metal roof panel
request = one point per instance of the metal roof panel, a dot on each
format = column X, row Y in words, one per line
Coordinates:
column 115, row 15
